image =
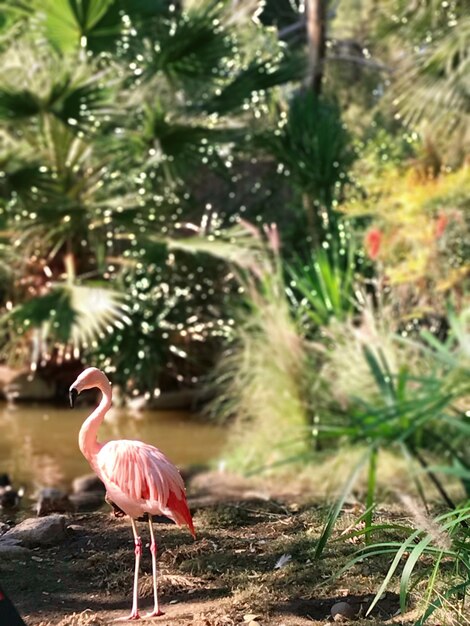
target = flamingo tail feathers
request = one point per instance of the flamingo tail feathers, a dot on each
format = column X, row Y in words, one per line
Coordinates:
column 180, row 510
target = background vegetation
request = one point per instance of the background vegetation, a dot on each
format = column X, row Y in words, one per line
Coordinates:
column 268, row 201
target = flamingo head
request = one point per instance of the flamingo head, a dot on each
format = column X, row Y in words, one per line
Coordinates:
column 89, row 378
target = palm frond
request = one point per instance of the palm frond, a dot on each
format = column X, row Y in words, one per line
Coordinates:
column 68, row 318
column 431, row 83
column 97, row 25
column 98, row 312
column 258, row 76
column 237, row 249
column 435, row 86
column 192, row 44
column 35, row 80
column 180, row 145
column 67, row 22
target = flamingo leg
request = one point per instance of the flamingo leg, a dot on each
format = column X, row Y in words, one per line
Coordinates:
column 134, row 615
column 153, row 549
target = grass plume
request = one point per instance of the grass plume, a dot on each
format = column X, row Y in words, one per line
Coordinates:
column 423, row 521
column 260, row 377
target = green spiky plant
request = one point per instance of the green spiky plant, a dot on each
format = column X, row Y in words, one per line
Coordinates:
column 314, row 152
column 432, row 562
column 323, row 287
column 395, row 407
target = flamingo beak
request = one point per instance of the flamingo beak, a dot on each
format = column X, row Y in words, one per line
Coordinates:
column 73, row 393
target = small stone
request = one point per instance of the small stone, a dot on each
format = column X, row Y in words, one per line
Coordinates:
column 39, row 531
column 87, row 483
column 250, row 617
column 76, row 528
column 342, row 611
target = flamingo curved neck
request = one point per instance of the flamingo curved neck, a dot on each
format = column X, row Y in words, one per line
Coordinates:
column 87, row 438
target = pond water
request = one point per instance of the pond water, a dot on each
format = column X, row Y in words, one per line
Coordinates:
column 38, row 444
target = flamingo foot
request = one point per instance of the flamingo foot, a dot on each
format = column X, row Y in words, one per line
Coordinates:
column 130, row 618
column 154, row 613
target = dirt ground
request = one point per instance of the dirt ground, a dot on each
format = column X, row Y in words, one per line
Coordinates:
column 227, row 576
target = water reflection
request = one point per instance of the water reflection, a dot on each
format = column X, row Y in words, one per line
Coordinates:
column 38, row 444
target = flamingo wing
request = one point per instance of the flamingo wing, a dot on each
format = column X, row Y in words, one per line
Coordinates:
column 145, row 476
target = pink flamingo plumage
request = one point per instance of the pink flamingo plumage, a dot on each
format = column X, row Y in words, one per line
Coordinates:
column 138, row 478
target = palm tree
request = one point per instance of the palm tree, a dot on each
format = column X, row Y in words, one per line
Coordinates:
column 110, row 114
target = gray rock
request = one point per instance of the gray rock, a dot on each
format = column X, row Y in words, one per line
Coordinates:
column 3, row 528
column 87, row 483
column 39, row 531
column 12, row 550
column 87, row 501
column 9, row 541
column 52, row 500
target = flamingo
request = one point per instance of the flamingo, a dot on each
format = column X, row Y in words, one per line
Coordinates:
column 139, row 479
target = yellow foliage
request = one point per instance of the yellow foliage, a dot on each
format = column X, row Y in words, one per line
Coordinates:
column 422, row 220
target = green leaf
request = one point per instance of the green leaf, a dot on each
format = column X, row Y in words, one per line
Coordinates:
column 411, row 561
column 401, row 551
column 371, row 487
column 338, row 505
column 382, row 378
column 67, row 21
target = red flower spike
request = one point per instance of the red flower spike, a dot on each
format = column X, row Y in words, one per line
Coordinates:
column 441, row 225
column 373, row 242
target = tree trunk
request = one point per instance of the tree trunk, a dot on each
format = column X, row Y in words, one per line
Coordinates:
column 316, row 36
column 316, row 39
